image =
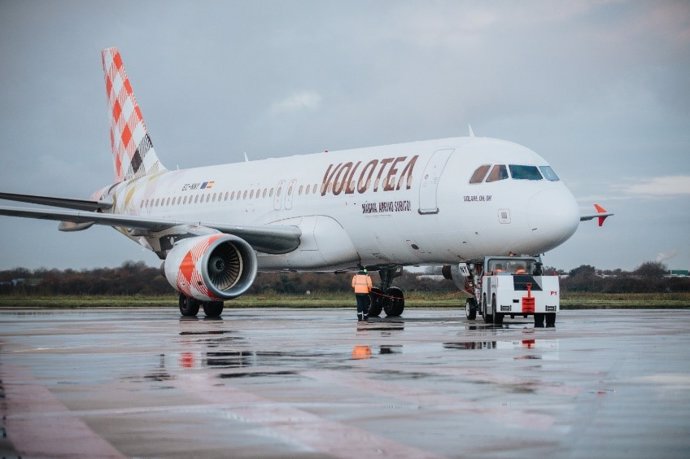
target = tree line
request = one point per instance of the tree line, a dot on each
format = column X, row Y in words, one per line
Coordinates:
column 139, row 279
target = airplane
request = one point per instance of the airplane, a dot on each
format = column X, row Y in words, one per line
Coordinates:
column 437, row 202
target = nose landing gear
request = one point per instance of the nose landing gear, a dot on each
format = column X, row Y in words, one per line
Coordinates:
column 389, row 299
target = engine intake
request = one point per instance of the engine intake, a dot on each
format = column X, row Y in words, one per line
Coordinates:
column 211, row 267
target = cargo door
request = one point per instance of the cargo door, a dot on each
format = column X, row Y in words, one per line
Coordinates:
column 428, row 202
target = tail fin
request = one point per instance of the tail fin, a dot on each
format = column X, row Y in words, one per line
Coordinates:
column 133, row 152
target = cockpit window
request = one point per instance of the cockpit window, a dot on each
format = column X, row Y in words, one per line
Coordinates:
column 499, row 172
column 524, row 172
column 480, row 173
column 548, row 173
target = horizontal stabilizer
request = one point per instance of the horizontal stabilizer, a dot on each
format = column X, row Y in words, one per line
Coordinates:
column 268, row 239
column 601, row 215
column 77, row 204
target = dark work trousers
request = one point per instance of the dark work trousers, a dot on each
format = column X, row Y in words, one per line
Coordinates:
column 363, row 302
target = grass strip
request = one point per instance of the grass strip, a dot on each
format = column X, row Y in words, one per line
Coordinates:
column 335, row 300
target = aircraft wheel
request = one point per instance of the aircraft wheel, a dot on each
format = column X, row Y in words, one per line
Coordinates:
column 471, row 309
column 394, row 302
column 376, row 303
column 538, row 320
column 550, row 320
column 189, row 307
column 213, row 308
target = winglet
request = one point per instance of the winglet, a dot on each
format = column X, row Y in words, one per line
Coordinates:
column 601, row 215
column 469, row 128
column 601, row 210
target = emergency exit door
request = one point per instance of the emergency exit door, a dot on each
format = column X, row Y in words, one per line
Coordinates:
column 428, row 203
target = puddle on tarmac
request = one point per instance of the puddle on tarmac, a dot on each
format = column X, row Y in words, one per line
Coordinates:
column 256, row 374
column 206, row 332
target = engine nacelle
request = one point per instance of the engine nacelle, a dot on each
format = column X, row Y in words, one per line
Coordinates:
column 212, row 267
column 458, row 273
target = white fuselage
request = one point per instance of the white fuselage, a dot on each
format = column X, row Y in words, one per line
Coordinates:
column 401, row 204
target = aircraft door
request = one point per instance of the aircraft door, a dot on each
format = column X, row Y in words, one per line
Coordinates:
column 428, row 203
column 278, row 195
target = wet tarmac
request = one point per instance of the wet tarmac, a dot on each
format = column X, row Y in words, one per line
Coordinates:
column 310, row 383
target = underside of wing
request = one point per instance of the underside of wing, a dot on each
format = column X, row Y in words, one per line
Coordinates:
column 273, row 239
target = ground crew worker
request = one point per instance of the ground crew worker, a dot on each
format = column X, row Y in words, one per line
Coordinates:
column 361, row 284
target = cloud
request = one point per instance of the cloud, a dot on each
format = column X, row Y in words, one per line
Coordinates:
column 303, row 100
column 664, row 256
column 674, row 185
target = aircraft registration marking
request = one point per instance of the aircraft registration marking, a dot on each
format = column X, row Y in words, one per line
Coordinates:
column 198, row 186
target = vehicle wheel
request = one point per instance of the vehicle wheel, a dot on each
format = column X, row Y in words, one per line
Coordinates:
column 488, row 318
column 471, row 309
column 376, row 303
column 394, row 303
column 213, row 308
column 538, row 320
column 498, row 317
column 189, row 307
column 551, row 320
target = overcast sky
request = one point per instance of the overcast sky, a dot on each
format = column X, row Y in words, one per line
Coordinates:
column 601, row 89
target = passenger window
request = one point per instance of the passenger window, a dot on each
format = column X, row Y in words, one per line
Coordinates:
column 480, row 173
column 548, row 173
column 499, row 172
column 524, row 172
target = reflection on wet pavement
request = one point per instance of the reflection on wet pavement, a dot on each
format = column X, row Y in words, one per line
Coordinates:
column 313, row 383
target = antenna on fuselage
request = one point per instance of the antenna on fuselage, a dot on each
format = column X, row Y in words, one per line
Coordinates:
column 471, row 132
column 246, row 159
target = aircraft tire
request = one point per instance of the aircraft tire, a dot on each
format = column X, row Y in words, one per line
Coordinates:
column 213, row 309
column 393, row 302
column 471, row 309
column 189, row 307
column 538, row 320
column 550, row 320
column 376, row 302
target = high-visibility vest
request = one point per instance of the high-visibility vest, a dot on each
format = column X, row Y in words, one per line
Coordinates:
column 361, row 283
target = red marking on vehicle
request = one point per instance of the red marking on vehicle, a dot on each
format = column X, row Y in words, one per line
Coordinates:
column 528, row 302
column 187, row 360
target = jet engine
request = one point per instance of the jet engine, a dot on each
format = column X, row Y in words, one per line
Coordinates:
column 458, row 274
column 212, row 267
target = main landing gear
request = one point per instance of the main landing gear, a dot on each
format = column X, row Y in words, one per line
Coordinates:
column 189, row 307
column 389, row 299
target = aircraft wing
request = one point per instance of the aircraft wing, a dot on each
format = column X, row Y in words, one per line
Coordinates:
column 268, row 238
column 601, row 215
column 79, row 204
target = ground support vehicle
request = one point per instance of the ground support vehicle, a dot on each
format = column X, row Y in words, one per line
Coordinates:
column 513, row 286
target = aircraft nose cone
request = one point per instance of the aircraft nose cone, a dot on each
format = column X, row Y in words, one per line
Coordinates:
column 553, row 216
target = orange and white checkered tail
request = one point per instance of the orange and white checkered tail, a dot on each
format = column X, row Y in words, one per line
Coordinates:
column 133, row 152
